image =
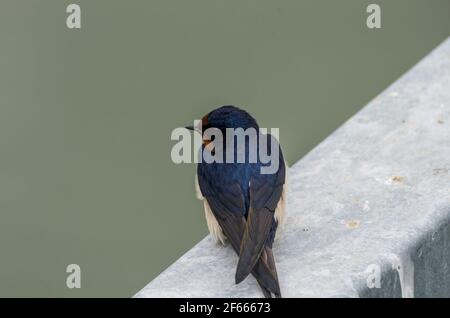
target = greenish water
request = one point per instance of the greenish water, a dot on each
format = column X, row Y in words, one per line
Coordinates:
column 86, row 116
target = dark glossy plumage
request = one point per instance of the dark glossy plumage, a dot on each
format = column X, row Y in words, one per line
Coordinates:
column 244, row 201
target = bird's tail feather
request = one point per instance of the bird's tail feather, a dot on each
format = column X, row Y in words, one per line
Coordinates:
column 266, row 292
column 264, row 270
column 265, row 273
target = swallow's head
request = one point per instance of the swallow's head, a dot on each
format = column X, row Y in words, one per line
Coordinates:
column 226, row 117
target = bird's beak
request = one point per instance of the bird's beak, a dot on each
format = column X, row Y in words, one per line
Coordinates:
column 196, row 128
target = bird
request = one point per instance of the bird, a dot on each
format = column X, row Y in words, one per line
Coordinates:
column 242, row 205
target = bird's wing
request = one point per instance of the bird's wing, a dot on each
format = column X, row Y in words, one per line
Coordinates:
column 228, row 207
column 265, row 193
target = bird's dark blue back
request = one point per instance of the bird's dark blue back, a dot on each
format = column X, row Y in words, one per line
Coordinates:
column 223, row 176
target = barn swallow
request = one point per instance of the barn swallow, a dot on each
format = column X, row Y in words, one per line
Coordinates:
column 242, row 205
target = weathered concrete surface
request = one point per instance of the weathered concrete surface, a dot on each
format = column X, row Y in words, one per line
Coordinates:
column 374, row 195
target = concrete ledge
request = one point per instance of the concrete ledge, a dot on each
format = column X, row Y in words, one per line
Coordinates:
column 373, row 198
